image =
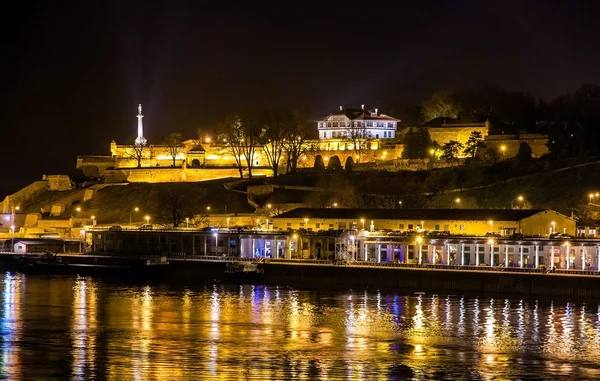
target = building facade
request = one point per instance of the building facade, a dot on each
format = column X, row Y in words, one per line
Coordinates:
column 355, row 124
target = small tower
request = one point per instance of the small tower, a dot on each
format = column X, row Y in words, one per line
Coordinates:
column 140, row 140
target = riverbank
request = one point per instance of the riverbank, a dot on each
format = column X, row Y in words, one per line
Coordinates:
column 410, row 280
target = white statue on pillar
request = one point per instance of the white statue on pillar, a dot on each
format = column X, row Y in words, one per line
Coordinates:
column 140, row 140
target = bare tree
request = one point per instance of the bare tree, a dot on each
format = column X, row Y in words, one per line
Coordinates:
column 175, row 202
column 253, row 122
column 273, row 136
column 173, row 143
column 296, row 136
column 230, row 133
column 358, row 136
column 139, row 151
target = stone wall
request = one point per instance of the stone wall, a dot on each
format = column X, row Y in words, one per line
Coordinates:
column 58, row 182
column 166, row 175
column 443, row 135
column 405, row 165
column 28, row 193
column 537, row 142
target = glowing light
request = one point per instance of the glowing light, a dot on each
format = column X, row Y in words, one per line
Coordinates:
column 179, row 156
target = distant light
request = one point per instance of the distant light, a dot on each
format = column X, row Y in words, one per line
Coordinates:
column 207, row 140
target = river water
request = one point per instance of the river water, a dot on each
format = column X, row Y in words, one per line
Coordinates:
column 60, row 328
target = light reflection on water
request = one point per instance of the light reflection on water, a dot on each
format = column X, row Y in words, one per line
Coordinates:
column 81, row 328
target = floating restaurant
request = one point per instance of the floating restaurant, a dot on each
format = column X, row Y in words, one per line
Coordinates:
column 458, row 237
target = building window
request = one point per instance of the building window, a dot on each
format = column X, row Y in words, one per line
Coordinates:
column 437, row 227
column 376, row 136
column 301, row 224
column 461, row 228
column 401, row 226
column 318, row 225
column 446, row 228
column 289, row 225
column 410, row 226
column 330, row 226
column 341, row 225
column 325, row 134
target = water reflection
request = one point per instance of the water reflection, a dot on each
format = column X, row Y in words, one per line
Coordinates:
column 268, row 333
column 11, row 324
column 83, row 329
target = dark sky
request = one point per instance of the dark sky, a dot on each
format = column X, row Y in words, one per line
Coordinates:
column 74, row 71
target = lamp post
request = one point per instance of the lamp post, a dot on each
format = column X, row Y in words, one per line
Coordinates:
column 12, row 229
column 362, row 220
column 136, row 209
column 187, row 222
column 518, row 198
column 503, row 149
column 400, row 203
column 491, row 226
column 553, row 227
column 457, row 201
column 228, row 222
column 147, row 218
column 567, row 254
column 94, row 221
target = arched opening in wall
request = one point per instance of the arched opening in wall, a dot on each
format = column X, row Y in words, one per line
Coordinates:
column 195, row 163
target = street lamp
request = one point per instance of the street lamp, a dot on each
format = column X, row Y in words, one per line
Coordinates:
column 363, row 223
column 503, row 149
column 519, row 198
column 456, row 200
column 136, row 209
column 208, row 208
column 553, row 227
column 228, row 222
column 147, row 219
column 400, row 203
column 93, row 220
column 491, row 225
column 187, row 222
column 306, row 223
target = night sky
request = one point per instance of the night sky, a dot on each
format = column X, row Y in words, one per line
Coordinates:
column 74, row 72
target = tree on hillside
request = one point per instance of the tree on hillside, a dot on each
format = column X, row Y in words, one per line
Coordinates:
column 474, row 144
column 174, row 146
column 139, row 151
column 349, row 164
column 439, row 105
column 253, row 122
column 417, row 143
column 319, row 166
column 241, row 134
column 491, row 155
column 451, row 150
column 295, row 143
column 334, row 164
column 278, row 122
column 175, row 202
column 524, row 155
column 230, row 134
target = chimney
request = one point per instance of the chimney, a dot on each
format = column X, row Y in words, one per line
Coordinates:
column 362, row 107
column 341, row 108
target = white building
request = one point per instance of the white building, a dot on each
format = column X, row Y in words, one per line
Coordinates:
column 357, row 123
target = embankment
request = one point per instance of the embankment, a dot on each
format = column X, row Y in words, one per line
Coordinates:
column 408, row 280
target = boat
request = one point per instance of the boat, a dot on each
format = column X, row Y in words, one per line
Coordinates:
column 52, row 264
column 244, row 272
